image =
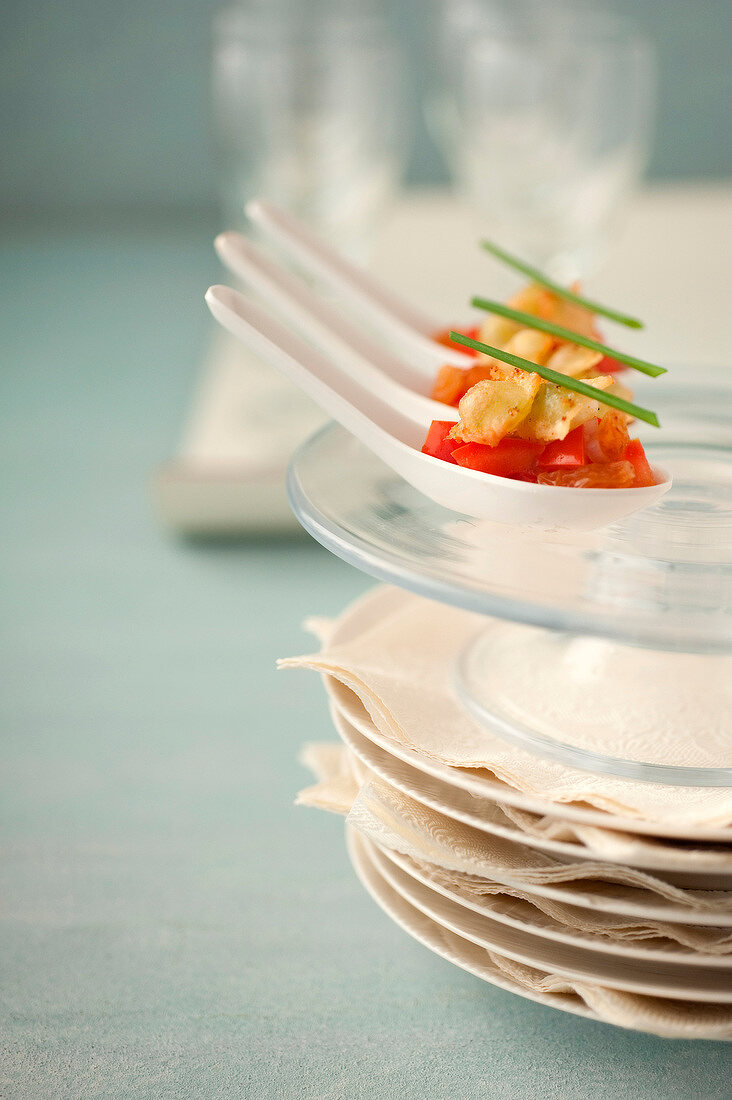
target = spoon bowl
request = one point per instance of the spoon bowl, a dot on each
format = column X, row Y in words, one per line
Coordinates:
column 521, row 503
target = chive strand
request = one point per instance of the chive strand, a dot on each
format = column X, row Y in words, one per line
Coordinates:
column 538, row 277
column 530, row 321
column 562, row 380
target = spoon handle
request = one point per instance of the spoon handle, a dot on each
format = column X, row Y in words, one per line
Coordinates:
column 393, row 379
column 385, row 310
column 372, row 421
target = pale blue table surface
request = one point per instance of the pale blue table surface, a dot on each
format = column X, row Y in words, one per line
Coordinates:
column 171, row 925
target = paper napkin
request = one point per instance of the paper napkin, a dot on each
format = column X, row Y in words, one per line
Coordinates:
column 399, row 657
column 379, row 815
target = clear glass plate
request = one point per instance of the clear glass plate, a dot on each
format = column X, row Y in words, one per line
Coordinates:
column 660, row 579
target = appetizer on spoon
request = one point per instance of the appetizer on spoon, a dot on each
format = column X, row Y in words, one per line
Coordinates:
column 520, row 432
column 543, row 402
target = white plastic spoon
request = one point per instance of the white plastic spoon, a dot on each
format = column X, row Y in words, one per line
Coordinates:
column 397, row 438
column 397, row 319
column 392, row 379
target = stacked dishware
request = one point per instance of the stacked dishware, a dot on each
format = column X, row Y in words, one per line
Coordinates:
column 535, row 753
column 535, row 757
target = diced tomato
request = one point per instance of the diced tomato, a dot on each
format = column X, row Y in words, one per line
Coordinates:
column 509, row 458
column 479, row 373
column 606, row 438
column 609, row 366
column 450, row 385
column 635, row 454
column 438, row 443
column 595, row 475
column 569, row 451
column 444, row 339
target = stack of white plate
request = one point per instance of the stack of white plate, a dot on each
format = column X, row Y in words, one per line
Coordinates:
column 554, row 895
column 553, row 941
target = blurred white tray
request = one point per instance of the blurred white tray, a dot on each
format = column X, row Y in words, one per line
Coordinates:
column 244, row 424
column 669, row 264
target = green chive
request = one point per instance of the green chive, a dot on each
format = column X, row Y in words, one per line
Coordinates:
column 530, row 321
column 537, row 277
column 559, row 379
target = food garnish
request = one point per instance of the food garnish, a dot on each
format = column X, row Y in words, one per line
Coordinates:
column 559, row 379
column 542, row 401
column 537, row 276
column 531, row 321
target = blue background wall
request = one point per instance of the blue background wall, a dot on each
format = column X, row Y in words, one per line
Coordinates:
column 104, row 104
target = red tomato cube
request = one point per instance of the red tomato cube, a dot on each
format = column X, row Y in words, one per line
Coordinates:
column 438, row 442
column 635, row 454
column 509, row 458
column 569, row 451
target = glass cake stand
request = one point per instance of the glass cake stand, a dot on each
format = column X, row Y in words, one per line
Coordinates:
column 625, row 630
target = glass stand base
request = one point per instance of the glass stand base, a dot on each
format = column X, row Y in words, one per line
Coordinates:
column 602, row 706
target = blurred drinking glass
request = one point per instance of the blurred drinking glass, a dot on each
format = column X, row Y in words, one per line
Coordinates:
column 308, row 110
column 545, row 118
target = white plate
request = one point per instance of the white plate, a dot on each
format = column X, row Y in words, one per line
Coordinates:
column 364, row 614
column 475, row 960
column 485, row 815
column 523, row 915
column 449, row 946
column 580, row 964
column 589, row 893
